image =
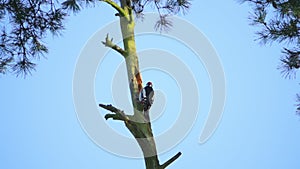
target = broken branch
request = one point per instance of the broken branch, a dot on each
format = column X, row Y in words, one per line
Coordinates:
column 119, row 114
column 109, row 43
column 170, row 160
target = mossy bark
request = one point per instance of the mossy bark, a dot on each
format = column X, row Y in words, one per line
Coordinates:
column 139, row 127
column 138, row 124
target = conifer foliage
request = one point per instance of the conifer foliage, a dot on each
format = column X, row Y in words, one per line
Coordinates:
column 25, row 23
column 279, row 21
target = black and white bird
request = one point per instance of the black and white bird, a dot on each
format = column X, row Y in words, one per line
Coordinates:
column 147, row 96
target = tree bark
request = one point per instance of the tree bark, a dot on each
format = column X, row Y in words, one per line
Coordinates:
column 143, row 134
column 141, row 129
column 138, row 124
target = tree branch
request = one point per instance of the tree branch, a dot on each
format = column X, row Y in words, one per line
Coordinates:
column 119, row 114
column 117, row 7
column 170, row 160
column 109, row 43
column 114, row 117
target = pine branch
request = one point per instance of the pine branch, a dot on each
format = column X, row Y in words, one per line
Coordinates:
column 109, row 43
column 171, row 160
column 117, row 7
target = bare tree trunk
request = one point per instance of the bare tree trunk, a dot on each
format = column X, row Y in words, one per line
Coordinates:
column 138, row 124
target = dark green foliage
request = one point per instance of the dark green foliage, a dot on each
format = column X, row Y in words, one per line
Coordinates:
column 77, row 5
column 279, row 21
column 71, row 5
column 24, row 24
column 164, row 8
column 4, row 64
column 290, row 62
column 163, row 24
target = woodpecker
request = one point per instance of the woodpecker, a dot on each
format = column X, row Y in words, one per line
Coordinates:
column 146, row 96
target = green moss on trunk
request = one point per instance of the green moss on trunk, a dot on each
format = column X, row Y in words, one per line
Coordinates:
column 138, row 124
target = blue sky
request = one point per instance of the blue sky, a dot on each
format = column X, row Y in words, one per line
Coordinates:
column 259, row 129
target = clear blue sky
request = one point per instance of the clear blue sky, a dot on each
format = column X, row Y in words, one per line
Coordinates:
column 259, row 129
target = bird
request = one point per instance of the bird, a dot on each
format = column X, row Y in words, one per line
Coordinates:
column 147, row 96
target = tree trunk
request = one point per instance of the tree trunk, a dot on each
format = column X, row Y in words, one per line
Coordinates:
column 138, row 124
column 140, row 128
